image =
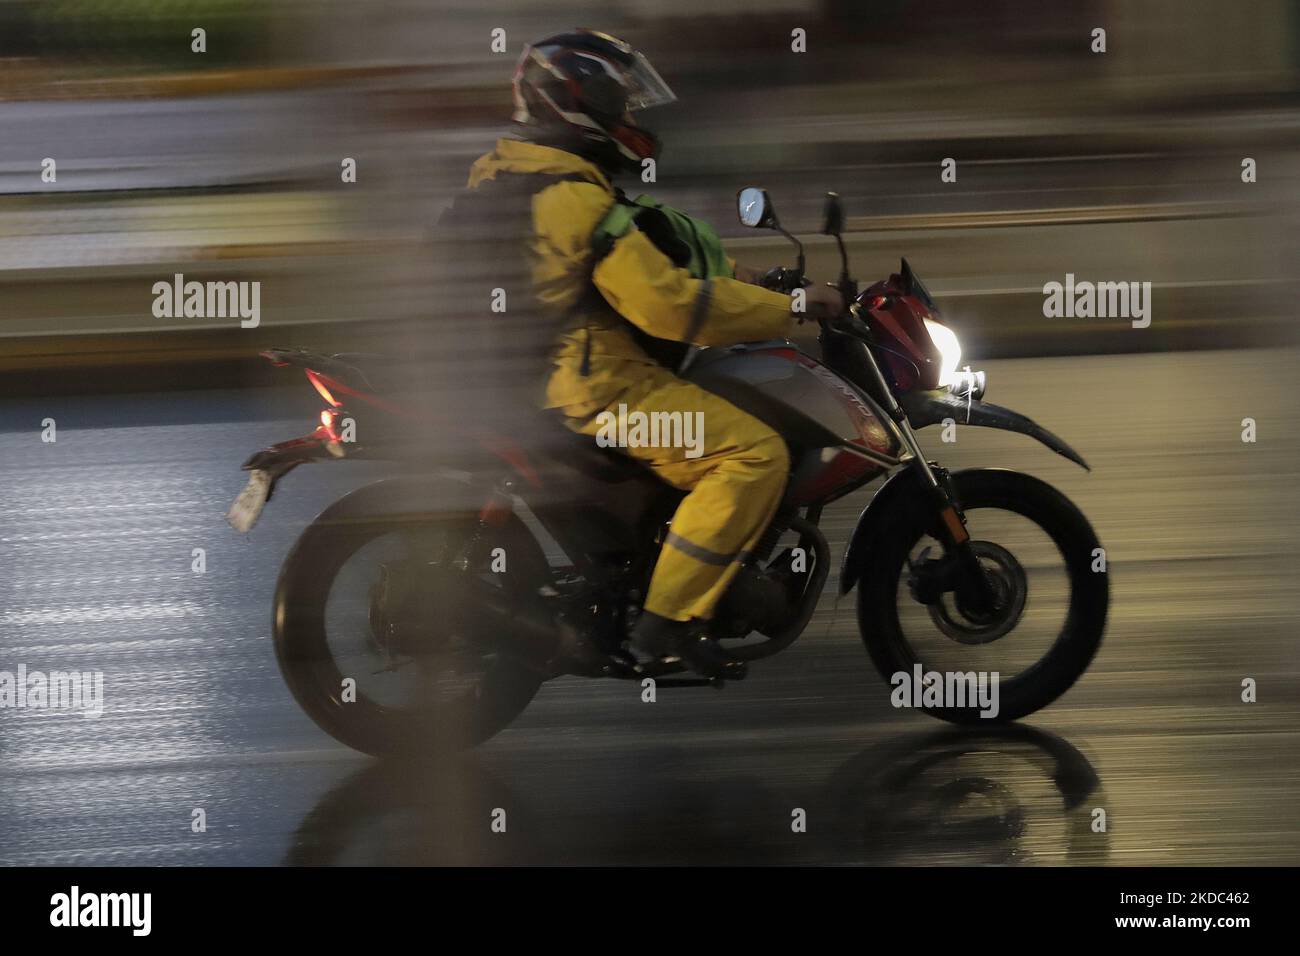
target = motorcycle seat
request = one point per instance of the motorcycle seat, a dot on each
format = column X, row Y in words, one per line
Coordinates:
column 561, row 446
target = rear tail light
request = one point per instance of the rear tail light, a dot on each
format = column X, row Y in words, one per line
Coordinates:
column 329, row 419
column 320, row 387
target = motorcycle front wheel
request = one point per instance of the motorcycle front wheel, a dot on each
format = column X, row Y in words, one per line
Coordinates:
column 1049, row 571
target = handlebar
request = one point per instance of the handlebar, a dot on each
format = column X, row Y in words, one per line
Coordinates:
column 781, row 279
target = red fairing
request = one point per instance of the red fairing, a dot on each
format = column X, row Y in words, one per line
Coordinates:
column 898, row 322
column 871, row 433
column 845, row 470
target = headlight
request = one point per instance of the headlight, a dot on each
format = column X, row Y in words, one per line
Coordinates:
column 945, row 340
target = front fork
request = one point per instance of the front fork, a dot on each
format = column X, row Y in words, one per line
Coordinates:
column 974, row 590
column 968, row 579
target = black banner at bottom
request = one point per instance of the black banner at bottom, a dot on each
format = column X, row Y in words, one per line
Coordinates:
column 212, row 906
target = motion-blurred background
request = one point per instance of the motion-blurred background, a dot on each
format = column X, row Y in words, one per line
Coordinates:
column 1118, row 166
column 227, row 164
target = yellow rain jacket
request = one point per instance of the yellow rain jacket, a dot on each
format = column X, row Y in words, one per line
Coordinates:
column 639, row 282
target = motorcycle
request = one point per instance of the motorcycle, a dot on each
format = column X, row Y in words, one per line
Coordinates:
column 453, row 613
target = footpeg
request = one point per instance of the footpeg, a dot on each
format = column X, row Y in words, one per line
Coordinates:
column 704, row 657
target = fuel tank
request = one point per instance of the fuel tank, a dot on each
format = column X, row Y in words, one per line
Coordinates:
column 837, row 436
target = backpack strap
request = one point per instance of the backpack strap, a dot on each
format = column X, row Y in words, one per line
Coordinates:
column 618, row 222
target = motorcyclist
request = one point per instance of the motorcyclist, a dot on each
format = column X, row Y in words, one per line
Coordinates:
column 574, row 97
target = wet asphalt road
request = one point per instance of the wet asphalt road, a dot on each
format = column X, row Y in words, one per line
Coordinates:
column 96, row 548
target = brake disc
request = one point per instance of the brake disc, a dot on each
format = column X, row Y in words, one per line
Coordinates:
column 1011, row 589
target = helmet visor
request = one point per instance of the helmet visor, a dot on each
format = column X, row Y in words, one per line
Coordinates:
column 645, row 87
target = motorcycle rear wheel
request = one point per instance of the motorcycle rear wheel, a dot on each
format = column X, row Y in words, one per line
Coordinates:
column 316, row 680
column 1085, row 622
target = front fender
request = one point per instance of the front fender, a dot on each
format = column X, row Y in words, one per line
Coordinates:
column 900, row 485
column 929, row 408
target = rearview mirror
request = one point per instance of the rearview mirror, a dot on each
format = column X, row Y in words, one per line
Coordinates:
column 833, row 222
column 755, row 208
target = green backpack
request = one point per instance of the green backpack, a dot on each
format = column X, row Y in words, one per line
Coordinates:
column 691, row 243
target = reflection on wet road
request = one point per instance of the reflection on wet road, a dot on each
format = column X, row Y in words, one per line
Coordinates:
column 1016, row 795
column 96, row 572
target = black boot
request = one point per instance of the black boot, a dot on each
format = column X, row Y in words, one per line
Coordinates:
column 657, row 637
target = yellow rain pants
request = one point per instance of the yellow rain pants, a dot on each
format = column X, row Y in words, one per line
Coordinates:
column 735, row 485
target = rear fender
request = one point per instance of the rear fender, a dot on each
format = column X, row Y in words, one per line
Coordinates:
column 278, row 460
column 408, row 498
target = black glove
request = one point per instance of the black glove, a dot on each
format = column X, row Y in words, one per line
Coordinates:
column 781, row 279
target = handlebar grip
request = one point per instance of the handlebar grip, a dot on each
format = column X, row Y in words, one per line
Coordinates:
column 781, row 279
